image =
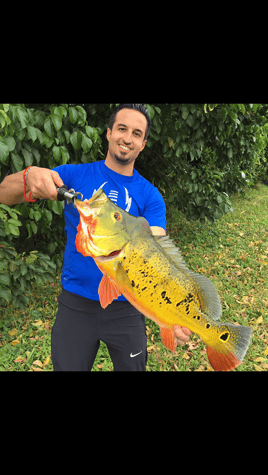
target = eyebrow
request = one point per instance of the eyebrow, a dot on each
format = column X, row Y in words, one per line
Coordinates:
column 123, row 125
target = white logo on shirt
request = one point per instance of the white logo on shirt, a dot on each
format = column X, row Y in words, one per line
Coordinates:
column 128, row 201
column 95, row 191
column 113, row 196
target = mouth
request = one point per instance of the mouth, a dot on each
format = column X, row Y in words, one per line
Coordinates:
column 124, row 148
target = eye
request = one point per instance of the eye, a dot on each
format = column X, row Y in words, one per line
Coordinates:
column 117, row 216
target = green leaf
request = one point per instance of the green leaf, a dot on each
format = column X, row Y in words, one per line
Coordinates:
column 190, row 120
column 34, row 227
column 48, row 127
column 57, row 121
column 14, row 229
column 37, row 215
column 17, row 162
column 185, row 112
column 22, row 116
column 28, row 157
column 230, row 153
column 89, row 131
column 6, row 294
column 24, row 269
column 67, row 136
column 62, row 111
column 4, row 279
column 242, row 108
column 2, row 120
column 76, row 139
column 14, row 221
column 32, row 132
column 4, row 153
column 64, row 154
column 48, row 215
column 86, row 143
column 82, row 112
column 57, row 207
column 73, row 114
column 6, row 118
column 56, row 153
column 233, row 115
column 10, row 143
column 150, row 110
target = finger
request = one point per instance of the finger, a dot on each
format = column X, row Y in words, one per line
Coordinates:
column 49, row 185
column 186, row 331
column 180, row 335
column 57, row 179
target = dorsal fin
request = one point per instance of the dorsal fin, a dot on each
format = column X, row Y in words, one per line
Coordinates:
column 208, row 295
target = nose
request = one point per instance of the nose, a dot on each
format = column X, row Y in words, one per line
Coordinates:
column 127, row 138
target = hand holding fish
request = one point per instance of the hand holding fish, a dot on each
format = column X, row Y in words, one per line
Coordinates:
column 182, row 334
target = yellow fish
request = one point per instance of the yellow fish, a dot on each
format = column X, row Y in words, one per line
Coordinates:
column 150, row 272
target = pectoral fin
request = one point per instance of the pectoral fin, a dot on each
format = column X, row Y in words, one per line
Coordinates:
column 108, row 291
column 168, row 339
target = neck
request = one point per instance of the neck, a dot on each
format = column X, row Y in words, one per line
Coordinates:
column 126, row 170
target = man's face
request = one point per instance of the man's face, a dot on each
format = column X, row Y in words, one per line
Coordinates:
column 126, row 139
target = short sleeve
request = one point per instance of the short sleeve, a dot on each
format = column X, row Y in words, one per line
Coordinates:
column 155, row 210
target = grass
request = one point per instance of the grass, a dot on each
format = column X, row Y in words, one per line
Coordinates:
column 233, row 253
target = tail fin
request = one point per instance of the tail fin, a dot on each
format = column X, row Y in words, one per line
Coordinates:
column 231, row 355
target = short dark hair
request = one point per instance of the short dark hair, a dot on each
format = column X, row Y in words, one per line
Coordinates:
column 137, row 107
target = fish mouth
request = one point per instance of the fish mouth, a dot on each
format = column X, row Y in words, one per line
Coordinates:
column 110, row 257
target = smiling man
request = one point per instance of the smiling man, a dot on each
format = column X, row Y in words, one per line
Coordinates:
column 81, row 323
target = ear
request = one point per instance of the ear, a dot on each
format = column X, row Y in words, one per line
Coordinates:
column 143, row 144
column 108, row 134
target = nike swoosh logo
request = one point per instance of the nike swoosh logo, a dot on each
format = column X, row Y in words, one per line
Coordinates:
column 133, row 356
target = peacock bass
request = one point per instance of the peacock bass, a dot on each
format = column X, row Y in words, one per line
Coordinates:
column 150, row 272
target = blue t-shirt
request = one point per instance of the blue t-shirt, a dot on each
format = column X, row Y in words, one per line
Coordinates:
column 134, row 194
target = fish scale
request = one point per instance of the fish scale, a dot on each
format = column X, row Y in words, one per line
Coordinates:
column 150, row 272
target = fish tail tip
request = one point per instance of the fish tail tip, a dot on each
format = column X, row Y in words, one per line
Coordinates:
column 222, row 362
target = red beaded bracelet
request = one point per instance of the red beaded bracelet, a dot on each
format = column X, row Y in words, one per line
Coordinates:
column 30, row 194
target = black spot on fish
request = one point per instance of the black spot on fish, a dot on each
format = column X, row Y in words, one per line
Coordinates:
column 167, row 300
column 194, row 316
column 198, row 317
column 208, row 325
column 224, row 336
column 144, row 288
column 155, row 286
column 163, row 294
column 133, row 283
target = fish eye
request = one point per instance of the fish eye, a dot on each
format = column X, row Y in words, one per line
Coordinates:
column 117, row 216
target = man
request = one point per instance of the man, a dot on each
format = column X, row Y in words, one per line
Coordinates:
column 81, row 322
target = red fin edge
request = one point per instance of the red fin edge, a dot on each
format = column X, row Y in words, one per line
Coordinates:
column 221, row 362
column 107, row 291
column 168, row 339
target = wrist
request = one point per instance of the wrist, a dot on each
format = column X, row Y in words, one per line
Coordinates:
column 26, row 188
column 26, row 173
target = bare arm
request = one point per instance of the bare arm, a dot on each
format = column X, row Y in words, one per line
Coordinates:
column 157, row 231
column 40, row 182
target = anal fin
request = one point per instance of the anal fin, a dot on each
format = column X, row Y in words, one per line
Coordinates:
column 168, row 339
column 108, row 291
